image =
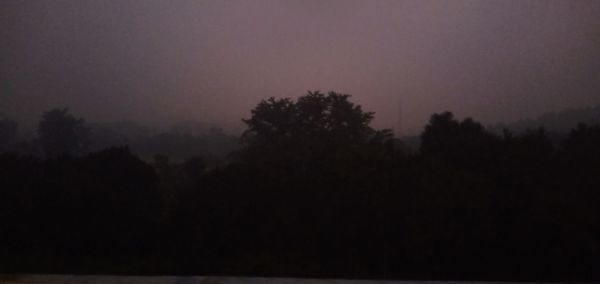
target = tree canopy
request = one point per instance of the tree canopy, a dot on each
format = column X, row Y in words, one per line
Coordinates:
column 466, row 142
column 330, row 117
column 316, row 192
column 8, row 134
column 312, row 127
column 60, row 133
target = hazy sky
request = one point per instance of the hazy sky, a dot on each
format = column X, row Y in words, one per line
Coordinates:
column 163, row 61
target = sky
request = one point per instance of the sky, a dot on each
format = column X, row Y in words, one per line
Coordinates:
column 159, row 62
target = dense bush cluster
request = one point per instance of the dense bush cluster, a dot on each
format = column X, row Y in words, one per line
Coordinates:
column 316, row 192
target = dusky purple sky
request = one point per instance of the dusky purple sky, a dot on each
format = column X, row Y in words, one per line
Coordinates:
column 158, row 62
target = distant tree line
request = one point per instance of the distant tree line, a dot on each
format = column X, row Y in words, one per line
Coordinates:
column 60, row 133
column 314, row 191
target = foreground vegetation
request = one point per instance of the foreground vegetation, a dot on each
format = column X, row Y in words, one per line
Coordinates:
column 314, row 192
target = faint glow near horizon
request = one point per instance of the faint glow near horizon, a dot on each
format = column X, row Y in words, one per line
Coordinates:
column 159, row 62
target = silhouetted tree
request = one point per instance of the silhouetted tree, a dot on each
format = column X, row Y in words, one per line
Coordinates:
column 465, row 143
column 315, row 192
column 583, row 143
column 533, row 146
column 8, row 134
column 120, row 193
column 60, row 133
column 311, row 116
column 194, row 167
column 315, row 127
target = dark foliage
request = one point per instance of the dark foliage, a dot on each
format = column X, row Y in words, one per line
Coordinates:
column 8, row 134
column 60, row 133
column 316, row 192
column 214, row 145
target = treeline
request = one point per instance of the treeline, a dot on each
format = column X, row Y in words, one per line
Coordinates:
column 316, row 192
column 59, row 127
column 554, row 122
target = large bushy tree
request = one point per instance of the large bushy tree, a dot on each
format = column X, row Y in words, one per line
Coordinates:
column 315, row 127
column 332, row 117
